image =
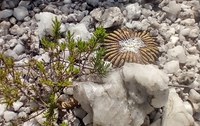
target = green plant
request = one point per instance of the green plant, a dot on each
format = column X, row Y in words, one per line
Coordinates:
column 43, row 81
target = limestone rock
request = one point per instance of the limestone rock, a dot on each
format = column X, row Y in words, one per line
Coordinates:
column 175, row 114
column 123, row 100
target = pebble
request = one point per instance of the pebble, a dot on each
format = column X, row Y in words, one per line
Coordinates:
column 194, row 32
column 4, row 26
column 188, row 22
column 6, row 13
column 192, row 60
column 177, row 53
column 112, row 17
column 133, row 11
column 92, row 2
column 17, row 105
column 171, row 67
column 1, row 41
column 11, row 53
column 20, row 13
column 16, row 30
column 68, row 90
column 9, row 115
column 19, row 49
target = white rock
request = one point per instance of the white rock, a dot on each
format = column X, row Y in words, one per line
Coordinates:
column 17, row 105
column 80, row 32
column 2, row 109
column 133, row 11
column 177, row 53
column 20, row 12
column 188, row 107
column 192, row 60
column 11, row 53
column 67, row 1
column 44, row 57
column 9, row 115
column 185, row 31
column 171, row 66
column 16, row 30
column 188, row 22
column 194, row 32
column 22, row 115
column 124, row 95
column 97, row 13
column 32, row 122
column 112, row 17
column 45, row 22
column 68, row 90
column 175, row 114
column 194, row 96
column 1, row 41
column 19, row 49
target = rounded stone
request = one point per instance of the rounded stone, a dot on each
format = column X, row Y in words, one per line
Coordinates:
column 20, row 13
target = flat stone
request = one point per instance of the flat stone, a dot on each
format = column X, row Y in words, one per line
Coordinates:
column 20, row 13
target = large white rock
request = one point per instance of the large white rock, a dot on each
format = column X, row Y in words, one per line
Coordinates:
column 175, row 114
column 126, row 97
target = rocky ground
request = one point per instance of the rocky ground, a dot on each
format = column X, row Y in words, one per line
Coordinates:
column 174, row 82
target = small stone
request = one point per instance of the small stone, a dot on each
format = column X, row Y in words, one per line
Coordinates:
column 9, row 115
column 68, row 90
column 177, row 53
column 1, row 41
column 2, row 109
column 16, row 30
column 44, row 57
column 4, row 26
column 171, row 67
column 13, row 20
column 5, row 13
column 11, row 53
column 22, row 115
column 93, row 2
column 67, row 1
column 31, row 122
column 79, row 112
column 192, row 50
column 194, row 32
column 133, row 11
column 194, row 96
column 97, row 13
column 185, row 31
column 17, row 105
column 112, row 17
column 80, row 31
column 192, row 60
column 20, row 13
column 186, row 78
column 19, row 49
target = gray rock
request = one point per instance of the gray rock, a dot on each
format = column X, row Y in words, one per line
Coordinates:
column 97, row 13
column 186, row 78
column 20, row 13
column 177, row 53
column 188, row 22
column 13, row 20
column 9, row 115
column 124, row 94
column 19, row 49
column 68, row 90
column 11, row 53
column 1, row 41
column 133, row 11
column 67, row 1
column 79, row 112
column 22, row 115
column 31, row 122
column 93, row 2
column 112, row 17
column 9, row 4
column 17, row 105
column 2, row 109
column 171, row 67
column 5, row 13
column 4, row 26
column 88, row 21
